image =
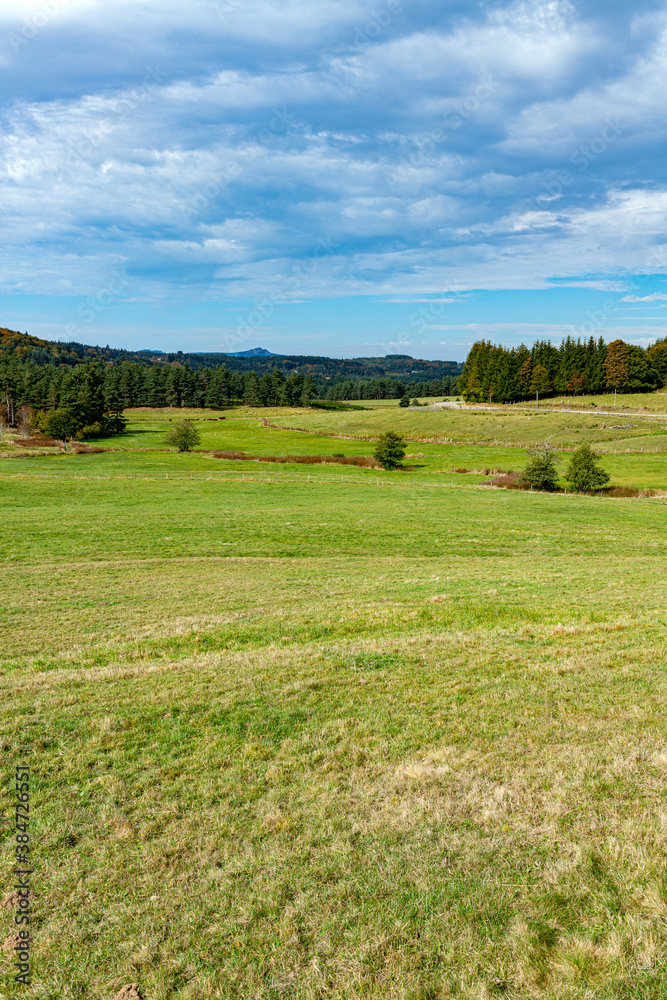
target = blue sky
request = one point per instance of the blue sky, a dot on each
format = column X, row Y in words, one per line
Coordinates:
column 335, row 177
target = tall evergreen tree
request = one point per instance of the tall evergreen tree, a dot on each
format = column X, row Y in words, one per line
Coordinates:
column 615, row 366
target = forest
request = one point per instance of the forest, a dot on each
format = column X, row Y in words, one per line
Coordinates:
column 495, row 374
column 95, row 392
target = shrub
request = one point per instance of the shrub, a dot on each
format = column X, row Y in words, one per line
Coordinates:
column 415, row 402
column 390, row 450
column 541, row 472
column 508, row 481
column 584, row 473
column 90, row 431
column 183, row 435
column 60, row 424
column 404, row 401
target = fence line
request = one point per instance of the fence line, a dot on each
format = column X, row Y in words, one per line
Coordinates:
column 458, row 442
column 218, row 476
column 277, row 481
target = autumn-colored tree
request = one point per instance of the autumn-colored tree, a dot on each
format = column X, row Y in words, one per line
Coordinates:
column 575, row 383
column 616, row 366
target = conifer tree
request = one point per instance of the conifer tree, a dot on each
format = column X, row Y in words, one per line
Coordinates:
column 541, row 472
column 251, row 394
column 390, row 450
column 526, row 375
column 539, row 383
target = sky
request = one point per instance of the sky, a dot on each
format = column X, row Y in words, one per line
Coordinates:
column 339, row 177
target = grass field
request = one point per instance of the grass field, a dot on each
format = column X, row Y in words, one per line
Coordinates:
column 389, row 737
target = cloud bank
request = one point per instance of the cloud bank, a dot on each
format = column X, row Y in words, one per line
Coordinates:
column 209, row 151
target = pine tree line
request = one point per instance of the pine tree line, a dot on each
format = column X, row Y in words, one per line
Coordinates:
column 501, row 375
column 117, row 387
column 391, row 388
column 97, row 393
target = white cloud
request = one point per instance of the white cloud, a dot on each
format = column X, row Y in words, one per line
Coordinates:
column 184, row 177
column 656, row 296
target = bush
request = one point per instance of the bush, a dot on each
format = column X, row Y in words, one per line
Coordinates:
column 38, row 421
column 584, row 473
column 541, row 472
column 404, row 401
column 390, row 450
column 90, row 431
column 113, row 423
column 60, row 424
column 415, row 402
column 183, row 435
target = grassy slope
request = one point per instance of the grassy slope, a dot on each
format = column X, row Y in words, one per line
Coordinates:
column 297, row 741
column 506, row 426
column 142, row 451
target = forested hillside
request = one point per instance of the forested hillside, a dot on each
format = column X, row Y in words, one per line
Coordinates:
column 403, row 366
column 500, row 375
column 44, row 375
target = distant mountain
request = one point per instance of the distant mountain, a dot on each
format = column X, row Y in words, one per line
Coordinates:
column 254, row 352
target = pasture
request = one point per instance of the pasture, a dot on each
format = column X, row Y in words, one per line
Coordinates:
column 358, row 735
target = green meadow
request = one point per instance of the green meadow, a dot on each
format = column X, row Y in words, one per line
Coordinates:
column 322, row 731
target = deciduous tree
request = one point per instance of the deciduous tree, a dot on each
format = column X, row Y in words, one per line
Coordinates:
column 60, row 424
column 615, row 366
column 583, row 472
column 575, row 383
column 183, row 435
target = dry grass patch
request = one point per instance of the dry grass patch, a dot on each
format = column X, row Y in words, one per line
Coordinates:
column 370, row 818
